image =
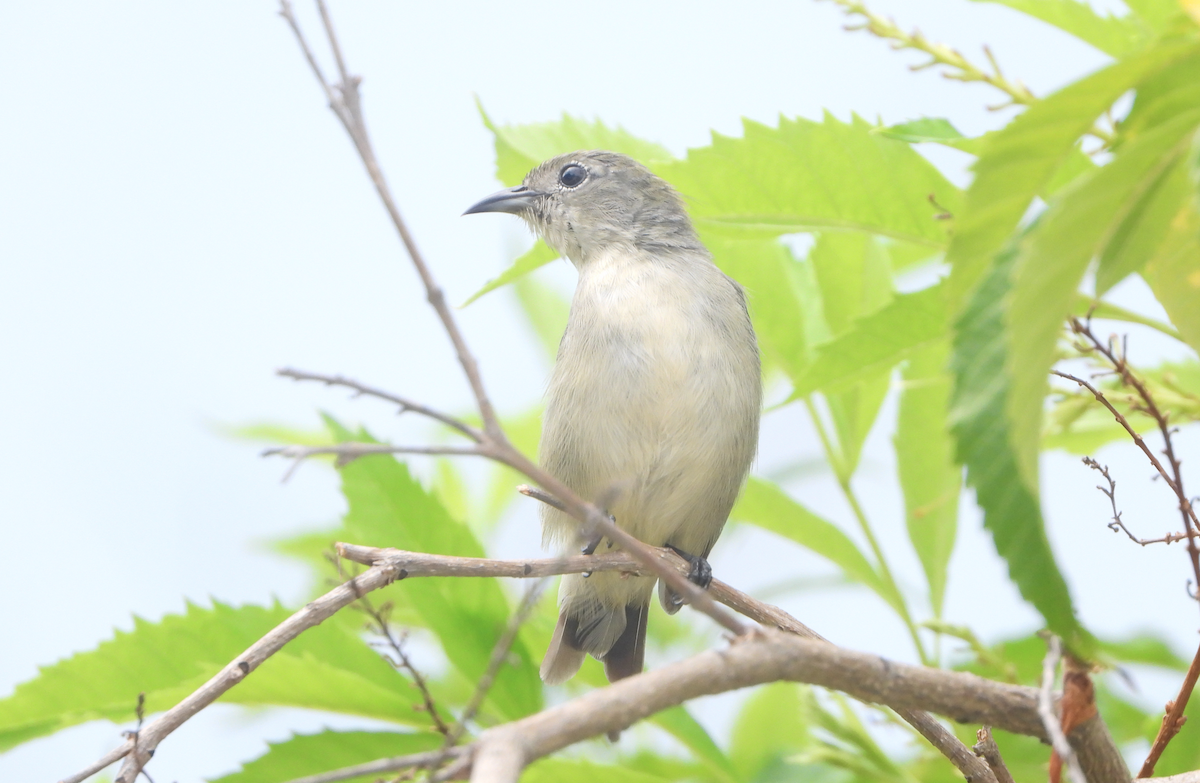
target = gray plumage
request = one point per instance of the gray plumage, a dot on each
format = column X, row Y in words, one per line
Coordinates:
column 654, row 402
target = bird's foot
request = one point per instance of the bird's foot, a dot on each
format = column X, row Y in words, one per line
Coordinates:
column 700, row 573
column 590, row 544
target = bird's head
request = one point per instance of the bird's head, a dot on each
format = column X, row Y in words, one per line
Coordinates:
column 588, row 202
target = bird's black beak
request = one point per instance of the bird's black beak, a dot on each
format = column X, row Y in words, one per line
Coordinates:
column 513, row 201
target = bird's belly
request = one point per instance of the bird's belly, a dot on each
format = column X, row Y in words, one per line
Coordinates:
column 653, row 418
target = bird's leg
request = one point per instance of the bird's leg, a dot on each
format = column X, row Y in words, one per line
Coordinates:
column 700, row 573
column 591, row 542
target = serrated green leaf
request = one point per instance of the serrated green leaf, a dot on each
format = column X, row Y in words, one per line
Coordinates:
column 985, row 444
column 806, row 176
column 519, row 148
column 765, row 505
column 1174, row 274
column 310, row 754
column 536, row 257
column 680, row 724
column 1112, row 35
column 878, row 341
column 1156, row 14
column 772, row 725
column 929, row 477
column 388, row 507
column 936, row 130
column 327, row 667
column 1020, row 160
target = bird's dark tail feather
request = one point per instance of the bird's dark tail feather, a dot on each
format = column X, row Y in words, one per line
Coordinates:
column 628, row 655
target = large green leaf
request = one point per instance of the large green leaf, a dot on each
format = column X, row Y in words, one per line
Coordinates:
column 327, row 667
column 519, row 148
column 1020, row 160
column 985, row 444
column 1110, row 34
column 1174, row 274
column 877, row 341
column 805, row 176
column 311, row 754
column 388, row 507
column 929, row 477
column 766, row 505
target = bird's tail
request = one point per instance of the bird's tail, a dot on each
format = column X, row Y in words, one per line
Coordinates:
column 614, row 634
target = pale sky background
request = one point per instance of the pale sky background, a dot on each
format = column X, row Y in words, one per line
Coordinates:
column 180, row 214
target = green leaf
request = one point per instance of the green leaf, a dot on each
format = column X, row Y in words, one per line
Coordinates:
column 854, row 411
column 1112, row 35
column 771, row 277
column 1156, row 14
column 520, row 148
column 878, row 341
column 327, row 668
column 929, row 477
column 805, row 176
column 772, row 726
column 310, row 754
column 1174, row 274
column 765, row 505
column 536, row 257
column 937, row 130
column 680, row 724
column 1086, row 305
column 985, row 440
column 854, row 275
column 1020, row 160
column 388, row 507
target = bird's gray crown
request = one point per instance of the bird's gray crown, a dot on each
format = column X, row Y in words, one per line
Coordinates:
column 589, row 201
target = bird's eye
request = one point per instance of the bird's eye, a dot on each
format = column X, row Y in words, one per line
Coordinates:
column 572, row 175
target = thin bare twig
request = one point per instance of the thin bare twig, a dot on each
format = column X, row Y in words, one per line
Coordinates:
column 406, row 405
column 987, row 750
column 1118, row 524
column 383, row 628
column 1045, row 709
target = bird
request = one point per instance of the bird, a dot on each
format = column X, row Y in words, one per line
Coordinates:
column 652, row 409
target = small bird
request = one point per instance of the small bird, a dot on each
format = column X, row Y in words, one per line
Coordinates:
column 653, row 407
